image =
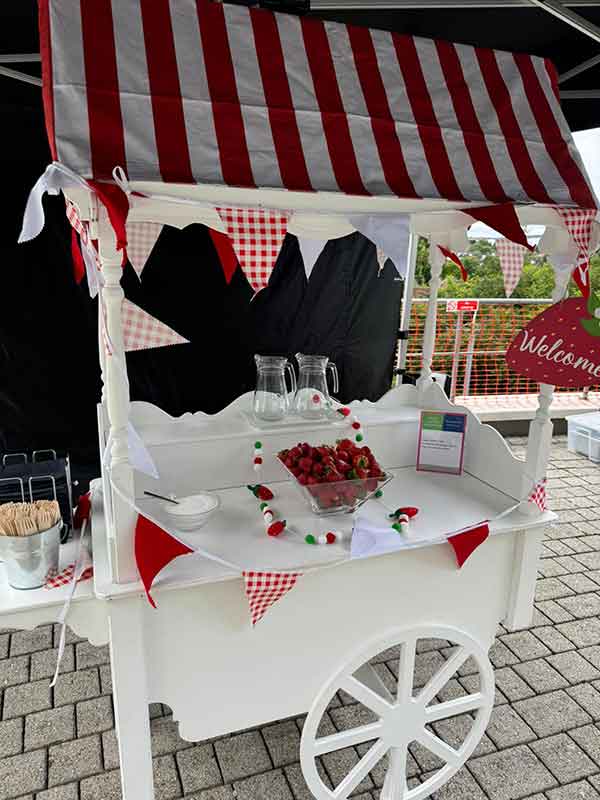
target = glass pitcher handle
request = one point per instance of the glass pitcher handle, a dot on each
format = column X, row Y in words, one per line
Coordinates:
column 336, row 378
column 290, row 369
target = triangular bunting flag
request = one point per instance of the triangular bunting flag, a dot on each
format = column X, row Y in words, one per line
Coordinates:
column 579, row 224
column 141, row 331
column 455, row 260
column 466, row 542
column 310, row 249
column 226, row 253
column 141, row 238
column 511, row 256
column 256, row 235
column 538, row 495
column 389, row 232
column 154, row 549
column 263, row 589
column 503, row 219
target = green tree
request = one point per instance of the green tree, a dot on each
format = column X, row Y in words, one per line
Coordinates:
column 485, row 276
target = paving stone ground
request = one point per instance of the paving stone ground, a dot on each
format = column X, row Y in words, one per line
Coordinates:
column 542, row 743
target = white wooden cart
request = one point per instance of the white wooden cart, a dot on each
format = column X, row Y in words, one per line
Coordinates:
column 196, row 651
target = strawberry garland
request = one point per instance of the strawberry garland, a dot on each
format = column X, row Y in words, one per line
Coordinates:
column 273, row 526
column 360, row 469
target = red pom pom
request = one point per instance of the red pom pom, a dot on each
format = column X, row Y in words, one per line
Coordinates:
column 356, row 426
column 316, row 399
column 331, row 538
column 276, row 528
column 345, row 412
column 263, row 493
column 258, row 460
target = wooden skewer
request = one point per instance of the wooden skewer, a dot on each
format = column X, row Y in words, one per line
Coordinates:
column 162, row 497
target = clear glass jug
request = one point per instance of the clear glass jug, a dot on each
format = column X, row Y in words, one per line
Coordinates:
column 312, row 400
column 271, row 400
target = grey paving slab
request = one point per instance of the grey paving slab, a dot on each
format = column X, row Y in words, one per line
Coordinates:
column 582, row 790
column 512, row 685
column 553, row 639
column 198, row 768
column 283, row 742
column 541, row 676
column 583, row 632
column 26, row 698
column 511, row 774
column 268, row 786
column 68, row 791
column 49, row 727
column 43, row 663
column 29, row 641
column 74, row 760
column 573, row 667
column 582, row 605
column 94, row 716
column 588, row 738
column 525, row 645
column 506, row 728
column 21, row 774
column 14, row 671
column 552, row 713
column 242, row 755
column 75, row 686
column 588, row 698
column 106, row 786
column 564, row 758
column 11, row 737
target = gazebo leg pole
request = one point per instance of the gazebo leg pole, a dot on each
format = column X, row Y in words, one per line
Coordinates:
column 436, row 262
column 116, row 392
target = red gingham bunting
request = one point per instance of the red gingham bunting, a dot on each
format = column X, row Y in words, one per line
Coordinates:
column 263, row 589
column 256, row 236
column 66, row 576
column 579, row 224
column 141, row 331
column 538, row 495
column 512, row 256
column 141, row 238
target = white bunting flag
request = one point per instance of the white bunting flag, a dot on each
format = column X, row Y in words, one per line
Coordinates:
column 141, row 238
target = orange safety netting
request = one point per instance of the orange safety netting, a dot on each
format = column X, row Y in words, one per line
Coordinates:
column 484, row 337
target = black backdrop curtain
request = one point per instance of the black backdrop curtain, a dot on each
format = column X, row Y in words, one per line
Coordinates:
column 49, row 376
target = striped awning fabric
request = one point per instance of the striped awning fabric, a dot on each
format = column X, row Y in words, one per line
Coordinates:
column 195, row 91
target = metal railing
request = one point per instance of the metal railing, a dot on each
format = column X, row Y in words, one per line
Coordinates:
column 470, row 345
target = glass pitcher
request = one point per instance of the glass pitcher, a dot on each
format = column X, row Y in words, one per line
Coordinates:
column 312, row 400
column 271, row 401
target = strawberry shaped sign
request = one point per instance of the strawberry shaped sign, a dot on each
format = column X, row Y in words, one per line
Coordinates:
column 561, row 346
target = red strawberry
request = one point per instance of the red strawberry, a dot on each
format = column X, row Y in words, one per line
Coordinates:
column 276, row 527
column 305, row 464
column 345, row 444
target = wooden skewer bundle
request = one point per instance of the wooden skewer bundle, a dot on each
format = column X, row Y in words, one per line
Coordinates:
column 25, row 519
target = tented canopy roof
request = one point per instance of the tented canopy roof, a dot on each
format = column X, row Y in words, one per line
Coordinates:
column 198, row 92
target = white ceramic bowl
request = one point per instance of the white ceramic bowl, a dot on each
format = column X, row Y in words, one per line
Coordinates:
column 193, row 511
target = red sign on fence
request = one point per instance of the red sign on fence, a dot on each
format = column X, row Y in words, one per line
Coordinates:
column 561, row 346
column 452, row 306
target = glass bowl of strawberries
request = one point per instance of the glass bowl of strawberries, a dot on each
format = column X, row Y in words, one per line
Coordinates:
column 334, row 479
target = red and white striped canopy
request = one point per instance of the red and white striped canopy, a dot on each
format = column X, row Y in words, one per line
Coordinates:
column 193, row 91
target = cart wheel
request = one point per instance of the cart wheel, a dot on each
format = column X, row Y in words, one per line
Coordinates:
column 400, row 716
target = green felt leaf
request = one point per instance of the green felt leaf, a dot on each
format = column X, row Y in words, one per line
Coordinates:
column 593, row 304
column 591, row 326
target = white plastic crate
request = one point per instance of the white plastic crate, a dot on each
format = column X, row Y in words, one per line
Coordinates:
column 584, row 435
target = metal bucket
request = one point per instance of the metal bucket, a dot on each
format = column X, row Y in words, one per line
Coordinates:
column 30, row 560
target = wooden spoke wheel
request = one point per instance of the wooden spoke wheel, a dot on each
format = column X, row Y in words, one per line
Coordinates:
column 402, row 716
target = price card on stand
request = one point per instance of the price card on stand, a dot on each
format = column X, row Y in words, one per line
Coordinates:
column 441, row 442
